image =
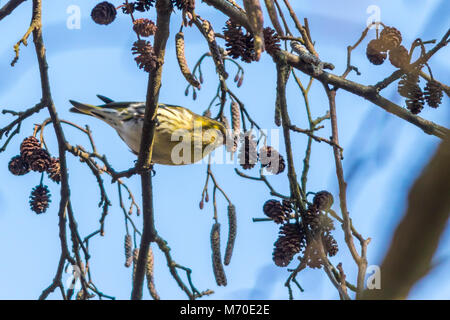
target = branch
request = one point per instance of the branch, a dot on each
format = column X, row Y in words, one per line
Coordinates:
column 361, row 260
column 367, row 92
column 164, row 10
column 9, row 7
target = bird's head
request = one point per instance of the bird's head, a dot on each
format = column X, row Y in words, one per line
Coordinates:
column 214, row 132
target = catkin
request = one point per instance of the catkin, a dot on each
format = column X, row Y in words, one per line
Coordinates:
column 235, row 118
column 128, row 251
column 214, row 48
column 135, row 259
column 149, row 266
column 232, row 227
column 179, row 45
column 219, row 272
column 256, row 21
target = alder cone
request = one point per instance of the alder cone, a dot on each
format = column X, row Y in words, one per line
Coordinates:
column 375, row 52
column 433, row 93
column 18, row 167
column 40, row 199
column 104, row 13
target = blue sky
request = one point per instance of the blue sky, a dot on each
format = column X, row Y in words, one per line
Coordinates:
column 383, row 154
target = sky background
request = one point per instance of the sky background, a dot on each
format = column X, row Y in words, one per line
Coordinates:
column 383, row 154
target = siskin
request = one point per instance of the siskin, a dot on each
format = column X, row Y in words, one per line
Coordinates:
column 181, row 136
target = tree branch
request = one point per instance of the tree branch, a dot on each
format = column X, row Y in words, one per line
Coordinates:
column 164, row 10
column 9, row 7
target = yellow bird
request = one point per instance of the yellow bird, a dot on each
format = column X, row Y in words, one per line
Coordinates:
column 181, row 136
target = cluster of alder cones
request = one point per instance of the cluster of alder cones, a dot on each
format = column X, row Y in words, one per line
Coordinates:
column 33, row 157
column 390, row 42
column 105, row 13
column 293, row 236
column 242, row 45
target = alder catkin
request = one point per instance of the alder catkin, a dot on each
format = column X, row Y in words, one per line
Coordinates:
column 128, row 251
column 232, row 227
column 149, row 267
column 214, row 48
column 182, row 63
column 219, row 272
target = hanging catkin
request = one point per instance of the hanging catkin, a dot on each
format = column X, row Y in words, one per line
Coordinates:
column 214, row 48
column 182, row 63
column 149, row 267
column 219, row 272
column 232, row 227
column 128, row 251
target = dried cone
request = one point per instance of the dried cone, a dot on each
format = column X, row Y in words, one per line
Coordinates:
column 271, row 41
column 40, row 199
column 40, row 160
column 18, row 167
column 433, row 93
column 128, row 246
column 219, row 272
column 330, row 245
column 271, row 160
column 290, row 242
column 275, row 211
column 144, row 27
column 415, row 101
column 256, row 22
column 391, row 37
column 182, row 63
column 247, row 153
column 143, row 5
column 146, row 58
column 399, row 57
column 232, row 228
column 407, row 84
column 237, row 44
column 128, row 8
column 323, row 200
column 104, row 13
column 28, row 146
column 376, row 52
column 187, row 5
column 149, row 267
column 54, row 170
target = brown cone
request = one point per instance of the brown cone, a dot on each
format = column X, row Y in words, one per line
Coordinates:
column 28, row 146
column 40, row 199
column 104, row 13
column 146, row 58
column 144, row 27
column 54, row 170
column 18, row 167
column 40, row 160
column 391, row 37
column 433, row 93
column 399, row 57
column 376, row 52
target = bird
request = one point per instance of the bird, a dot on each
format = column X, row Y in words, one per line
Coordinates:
column 181, row 136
